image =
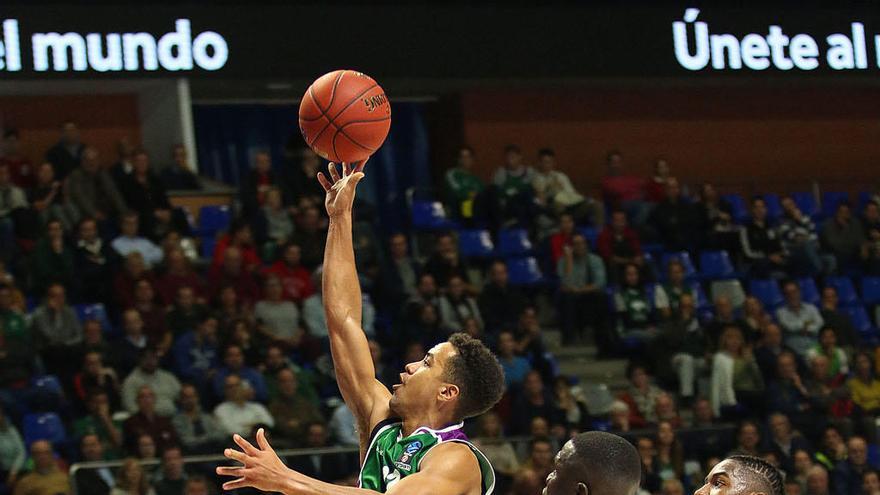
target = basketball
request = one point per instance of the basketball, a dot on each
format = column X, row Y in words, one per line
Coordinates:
column 345, row 116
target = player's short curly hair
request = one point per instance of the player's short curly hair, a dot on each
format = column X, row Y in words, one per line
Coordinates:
column 764, row 477
column 477, row 373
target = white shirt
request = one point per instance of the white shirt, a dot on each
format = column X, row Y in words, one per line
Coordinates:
column 124, row 245
column 241, row 419
column 164, row 385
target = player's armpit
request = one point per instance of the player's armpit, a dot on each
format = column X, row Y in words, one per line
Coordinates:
column 448, row 469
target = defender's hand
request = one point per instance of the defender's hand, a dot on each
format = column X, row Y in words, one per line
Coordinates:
column 340, row 190
column 262, row 468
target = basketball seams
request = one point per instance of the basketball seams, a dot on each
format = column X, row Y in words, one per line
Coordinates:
column 333, row 90
column 330, row 121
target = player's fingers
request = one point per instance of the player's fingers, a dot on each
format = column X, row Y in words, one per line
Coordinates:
column 346, row 169
column 229, row 470
column 236, row 484
column 245, row 445
column 324, row 182
column 360, row 165
column 235, row 455
column 357, row 177
column 334, row 174
column 261, row 440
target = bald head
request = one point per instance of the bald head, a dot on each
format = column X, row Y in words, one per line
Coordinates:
column 606, row 463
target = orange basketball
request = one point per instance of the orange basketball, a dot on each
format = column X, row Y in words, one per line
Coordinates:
column 345, row 116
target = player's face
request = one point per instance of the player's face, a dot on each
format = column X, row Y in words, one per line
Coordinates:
column 722, row 480
column 421, row 381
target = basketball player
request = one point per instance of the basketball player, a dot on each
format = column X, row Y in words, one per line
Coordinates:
column 742, row 475
column 411, row 439
column 595, row 463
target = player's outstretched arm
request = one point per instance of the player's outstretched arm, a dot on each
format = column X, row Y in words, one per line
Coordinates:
column 365, row 396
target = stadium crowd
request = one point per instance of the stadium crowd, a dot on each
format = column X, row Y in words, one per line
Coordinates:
column 127, row 332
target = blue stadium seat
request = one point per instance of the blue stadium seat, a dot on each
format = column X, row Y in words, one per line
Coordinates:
column 43, row 426
column 858, row 316
column 774, row 205
column 809, row 290
column 430, row 215
column 207, row 246
column 97, row 311
column 738, row 206
column 46, row 394
column 871, row 290
column 524, row 271
column 806, row 202
column 684, row 257
column 591, row 234
column 830, row 201
column 702, row 303
column 47, row 383
column 514, row 242
column 846, row 291
column 716, row 265
column 767, row 291
column 213, row 219
column 475, row 243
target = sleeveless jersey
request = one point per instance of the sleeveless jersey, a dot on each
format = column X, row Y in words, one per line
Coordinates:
column 391, row 456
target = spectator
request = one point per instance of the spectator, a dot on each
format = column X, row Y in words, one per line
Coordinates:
column 163, row 384
column 669, row 461
column 237, row 414
column 864, row 387
column 799, row 240
column 67, row 153
column 52, row 260
column 12, row 201
column 57, row 330
column 801, row 462
column 666, row 296
column 635, row 309
column 91, row 190
column 651, row 480
column 754, row 319
column 748, row 439
column 277, row 319
column 94, row 260
column 296, row 281
column 313, row 311
column 276, row 362
column 233, row 364
column 132, row 271
column 12, row 453
column 100, row 422
column 48, row 201
column 234, row 273
column 497, row 298
column 46, row 478
column 516, row 368
column 641, row 396
column 292, row 412
column 760, row 244
column 569, row 408
column 556, row 194
column 619, row 245
column 817, row 481
column 623, row 191
column 619, row 415
column 172, row 478
column 534, row 471
column 146, row 196
column 784, row 441
column 185, row 314
column 240, row 236
column 311, row 236
column 445, row 262
column 675, row 219
column 737, row 385
column 462, row 185
column 562, row 238
column 847, row 336
column 680, row 349
column 131, row 480
column 673, row 487
column 97, row 481
column 399, row 276
column 655, row 187
column 724, row 316
column 95, row 376
column 800, row 320
column 121, row 170
column 12, row 321
column 582, row 297
column 789, row 394
column 871, row 483
column 128, row 348
column 332, row 467
column 178, row 175
column 178, row 274
column 147, row 421
column 498, row 450
column 827, row 346
column 426, row 294
column 533, row 401
column 514, row 183
column 715, row 217
column 274, row 224
column 20, row 168
column 456, row 306
column 844, row 237
column 847, row 475
column 195, row 352
column 231, row 313
column 199, row 431
column 130, row 241
column 153, row 316
column 768, row 350
column 342, row 424
column 665, row 410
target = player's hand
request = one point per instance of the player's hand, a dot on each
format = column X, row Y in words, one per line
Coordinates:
column 340, row 189
column 262, row 468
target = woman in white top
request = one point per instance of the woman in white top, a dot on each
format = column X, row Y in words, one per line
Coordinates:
column 736, row 379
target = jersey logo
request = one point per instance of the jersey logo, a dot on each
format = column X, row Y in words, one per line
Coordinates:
column 413, row 447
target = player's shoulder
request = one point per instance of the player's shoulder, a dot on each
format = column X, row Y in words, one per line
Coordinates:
column 455, row 456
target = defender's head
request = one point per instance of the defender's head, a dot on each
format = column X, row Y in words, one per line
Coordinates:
column 459, row 378
column 595, row 463
column 742, row 475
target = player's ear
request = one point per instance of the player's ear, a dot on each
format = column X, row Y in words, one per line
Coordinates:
column 582, row 489
column 449, row 391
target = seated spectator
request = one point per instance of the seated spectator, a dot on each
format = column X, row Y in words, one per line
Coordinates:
column 46, row 478
column 132, row 480
column 635, row 309
column 343, row 428
column 655, row 186
column 619, row 246
column 497, row 298
column 651, row 480
column 562, row 238
column 99, row 422
column 278, row 320
column 275, row 226
column 667, row 295
column 789, row 394
column 295, row 279
column 20, row 168
column 250, row 378
column 186, row 313
column 56, row 330
column 669, row 461
column 847, row 474
column 67, row 153
column 723, row 316
column 641, row 396
column 516, row 368
column 147, row 421
column 91, row 190
column 179, row 273
column 313, row 311
column 199, row 431
column 332, row 467
column 768, row 350
column 825, row 391
column 291, row 411
column 240, row 237
column 784, row 441
column 230, row 311
column 513, row 181
column 97, row 481
column 799, row 240
column 827, row 346
column 52, row 260
column 624, row 192
column 130, row 241
column 737, row 385
column 94, row 260
column 145, row 195
column 234, row 273
column 748, row 439
column 456, row 306
column 871, row 482
column 237, row 414
column 582, row 297
column 47, row 199
column 497, row 449
column 754, row 319
column 844, row 237
column 801, row 462
column 760, row 244
column 831, row 449
column 95, row 376
column 871, row 224
column 133, row 270
column 276, row 361
column 178, row 175
column 555, row 193
column 618, row 417
column 665, row 410
column 800, row 320
column 445, row 262
column 462, row 186
column 171, row 478
column 534, row 471
column 164, row 385
column 12, row 321
column 715, row 218
column 127, row 349
column 12, row 201
column 300, row 180
column 680, row 349
column 121, row 170
column 153, row 316
column 675, row 219
column 311, row 236
column 533, row 401
column 673, row 487
column 817, row 481
column 12, row 453
column 569, row 408
column 398, row 278
column 257, row 182
column 847, row 336
column 425, row 328
column 864, row 387
column 195, row 352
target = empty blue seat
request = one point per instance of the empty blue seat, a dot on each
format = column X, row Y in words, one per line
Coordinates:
column 524, row 271
column 858, row 316
column 96, row 311
column 213, row 219
column 806, row 202
column 871, row 290
column 716, row 265
column 43, row 426
column 47, row 383
column 702, row 302
column 831, row 200
column 475, row 243
column 590, row 234
column 767, row 291
column 846, row 291
column 774, row 205
column 429, row 215
column 514, row 242
column 809, row 290
column 739, row 209
column 684, row 258
column 207, row 246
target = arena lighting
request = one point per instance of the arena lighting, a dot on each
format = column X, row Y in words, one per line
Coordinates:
column 115, row 52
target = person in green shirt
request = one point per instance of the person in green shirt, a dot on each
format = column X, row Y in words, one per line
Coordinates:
column 462, row 185
column 99, row 422
column 12, row 322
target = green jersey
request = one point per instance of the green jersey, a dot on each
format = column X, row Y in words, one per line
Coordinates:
column 391, row 456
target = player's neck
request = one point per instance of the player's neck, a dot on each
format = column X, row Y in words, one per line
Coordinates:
column 433, row 420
